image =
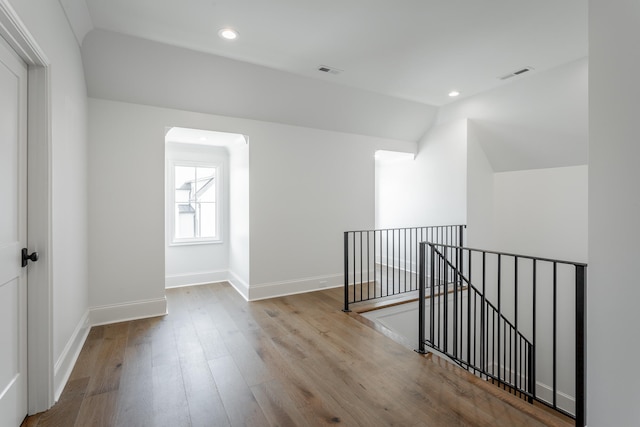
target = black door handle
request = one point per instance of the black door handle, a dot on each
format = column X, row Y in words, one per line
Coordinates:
column 26, row 258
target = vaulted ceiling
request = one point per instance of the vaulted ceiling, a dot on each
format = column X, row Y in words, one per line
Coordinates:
column 417, row 50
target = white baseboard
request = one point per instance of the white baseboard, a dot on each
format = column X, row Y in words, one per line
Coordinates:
column 67, row 360
column 366, row 276
column 240, row 285
column 180, row 280
column 563, row 400
column 545, row 392
column 106, row 314
column 398, row 264
column 297, row 286
column 257, row 292
column 128, row 311
column 95, row 316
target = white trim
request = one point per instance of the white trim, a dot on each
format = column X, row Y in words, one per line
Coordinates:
column 96, row 316
column 257, row 292
column 197, row 279
column 180, row 280
column 69, row 356
column 15, row 32
column 358, row 280
column 296, row 286
column 39, row 221
column 563, row 400
column 115, row 313
column 195, row 242
column 397, row 264
column 240, row 285
column 40, row 238
column 363, row 280
column 543, row 391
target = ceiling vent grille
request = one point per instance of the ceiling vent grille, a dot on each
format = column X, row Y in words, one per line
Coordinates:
column 330, row 70
column 516, row 73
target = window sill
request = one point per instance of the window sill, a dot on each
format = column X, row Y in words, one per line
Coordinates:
column 196, row 242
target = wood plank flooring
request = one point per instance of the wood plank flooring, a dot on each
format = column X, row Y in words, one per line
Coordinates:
column 216, row 360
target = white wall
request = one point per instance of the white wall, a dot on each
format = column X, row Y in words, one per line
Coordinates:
column 307, row 186
column 430, row 190
column 48, row 25
column 126, row 207
column 453, row 178
column 239, row 243
column 199, row 263
column 542, row 212
column 480, row 197
column 538, row 212
column 614, row 209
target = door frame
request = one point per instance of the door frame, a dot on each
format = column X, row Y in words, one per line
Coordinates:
column 40, row 366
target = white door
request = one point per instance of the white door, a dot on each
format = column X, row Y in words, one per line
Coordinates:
column 13, row 237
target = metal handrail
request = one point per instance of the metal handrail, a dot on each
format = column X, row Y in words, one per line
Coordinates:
column 454, row 267
column 469, row 284
column 383, row 262
column 507, row 254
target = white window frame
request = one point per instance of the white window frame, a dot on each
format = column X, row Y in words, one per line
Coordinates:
column 219, row 201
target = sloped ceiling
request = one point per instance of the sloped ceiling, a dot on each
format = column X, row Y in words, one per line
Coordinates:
column 124, row 68
column 399, row 61
column 418, row 50
column 542, row 122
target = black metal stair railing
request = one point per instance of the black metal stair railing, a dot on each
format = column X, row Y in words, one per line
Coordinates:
column 517, row 321
column 449, row 297
column 384, row 262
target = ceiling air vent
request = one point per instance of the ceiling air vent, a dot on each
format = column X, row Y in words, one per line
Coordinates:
column 330, row 70
column 516, row 73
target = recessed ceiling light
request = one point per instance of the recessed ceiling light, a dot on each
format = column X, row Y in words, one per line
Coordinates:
column 454, row 93
column 228, row 34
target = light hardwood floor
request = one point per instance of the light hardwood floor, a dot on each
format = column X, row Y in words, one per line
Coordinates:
column 216, row 360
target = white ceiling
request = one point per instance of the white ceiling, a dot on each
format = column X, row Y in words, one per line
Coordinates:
column 412, row 49
column 203, row 137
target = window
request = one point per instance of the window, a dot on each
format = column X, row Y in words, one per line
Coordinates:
column 195, row 203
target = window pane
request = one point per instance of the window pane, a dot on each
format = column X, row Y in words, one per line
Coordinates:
column 195, row 199
column 185, row 221
column 205, row 184
column 207, row 192
column 208, row 220
column 182, row 196
column 184, row 179
column 204, row 174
